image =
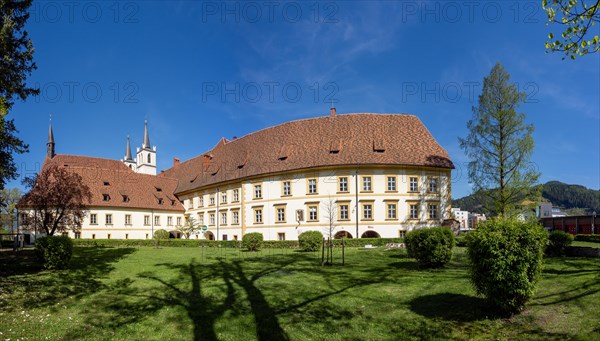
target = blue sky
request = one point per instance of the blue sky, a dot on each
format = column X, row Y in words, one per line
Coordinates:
column 199, row 71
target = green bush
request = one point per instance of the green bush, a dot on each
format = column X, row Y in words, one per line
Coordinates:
column 593, row 238
column 361, row 242
column 461, row 241
column 161, row 234
column 252, row 241
column 431, row 247
column 506, row 259
column 54, row 252
column 310, row 240
column 558, row 242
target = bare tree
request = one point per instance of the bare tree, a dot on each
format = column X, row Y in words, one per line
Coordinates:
column 330, row 214
column 56, row 201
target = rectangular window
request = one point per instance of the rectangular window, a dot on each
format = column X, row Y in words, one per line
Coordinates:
column 201, row 218
column 312, row 186
column 391, row 211
column 211, row 219
column 108, row 219
column 201, row 201
column 281, row 214
column 223, row 218
column 433, row 211
column 287, row 188
column 235, row 237
column 257, row 191
column 93, row 236
column 169, row 221
column 414, row 211
column 344, row 212
column 236, row 195
column 258, row 216
column 108, row 236
column 313, row 213
column 401, row 233
column 157, row 220
column 191, row 203
column 433, row 185
column 77, row 235
column 343, row 184
column 211, row 199
column 391, row 183
column 413, row 184
column 178, row 221
column 128, row 219
column 367, row 211
column 280, row 236
column 366, row 184
column 146, row 220
column 126, row 235
column 93, row 219
column 236, row 217
column 223, row 197
column 224, row 237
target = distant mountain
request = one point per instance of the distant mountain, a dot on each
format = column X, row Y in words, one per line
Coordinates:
column 560, row 194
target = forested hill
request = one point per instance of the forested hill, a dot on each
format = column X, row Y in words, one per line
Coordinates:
column 560, row 194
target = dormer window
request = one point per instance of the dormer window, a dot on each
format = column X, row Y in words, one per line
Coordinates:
column 158, row 189
column 378, row 145
column 105, row 197
column 106, row 183
column 125, row 198
column 160, row 201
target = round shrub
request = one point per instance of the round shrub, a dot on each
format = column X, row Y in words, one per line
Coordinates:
column 54, row 252
column 310, row 240
column 431, row 247
column 558, row 241
column 252, row 241
column 506, row 261
column 161, row 234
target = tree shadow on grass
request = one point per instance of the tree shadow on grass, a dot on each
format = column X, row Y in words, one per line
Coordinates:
column 453, row 307
column 46, row 288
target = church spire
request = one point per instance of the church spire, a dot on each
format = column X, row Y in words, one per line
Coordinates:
column 128, row 151
column 146, row 143
column 50, row 144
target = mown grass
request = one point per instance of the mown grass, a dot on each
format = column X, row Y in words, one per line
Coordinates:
column 224, row 294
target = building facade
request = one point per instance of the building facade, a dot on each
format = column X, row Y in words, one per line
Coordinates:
column 356, row 175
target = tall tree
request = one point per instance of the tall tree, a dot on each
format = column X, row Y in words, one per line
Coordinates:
column 9, row 144
column 16, row 63
column 499, row 145
column 56, row 201
column 578, row 18
column 17, row 51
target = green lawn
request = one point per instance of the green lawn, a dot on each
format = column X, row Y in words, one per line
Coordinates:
column 216, row 294
column 588, row 244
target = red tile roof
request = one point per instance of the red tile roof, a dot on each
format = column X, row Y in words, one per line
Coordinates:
column 348, row 139
column 115, row 179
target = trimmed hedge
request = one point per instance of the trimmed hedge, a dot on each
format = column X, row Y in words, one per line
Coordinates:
column 431, row 247
column 310, row 240
column 558, row 241
column 252, row 241
column 594, row 238
column 266, row 244
column 506, row 258
column 54, row 252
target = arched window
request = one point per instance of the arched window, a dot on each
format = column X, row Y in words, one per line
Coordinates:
column 149, row 158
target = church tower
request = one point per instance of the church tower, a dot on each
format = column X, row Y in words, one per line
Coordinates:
column 128, row 160
column 50, row 144
column 146, row 156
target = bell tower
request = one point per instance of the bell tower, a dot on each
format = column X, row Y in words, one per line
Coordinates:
column 146, row 156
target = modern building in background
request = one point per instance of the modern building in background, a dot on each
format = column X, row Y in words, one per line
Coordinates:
column 367, row 175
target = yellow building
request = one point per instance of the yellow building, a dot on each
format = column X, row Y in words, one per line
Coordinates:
column 358, row 175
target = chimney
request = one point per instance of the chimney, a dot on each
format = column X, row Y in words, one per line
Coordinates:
column 332, row 111
column 175, row 162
